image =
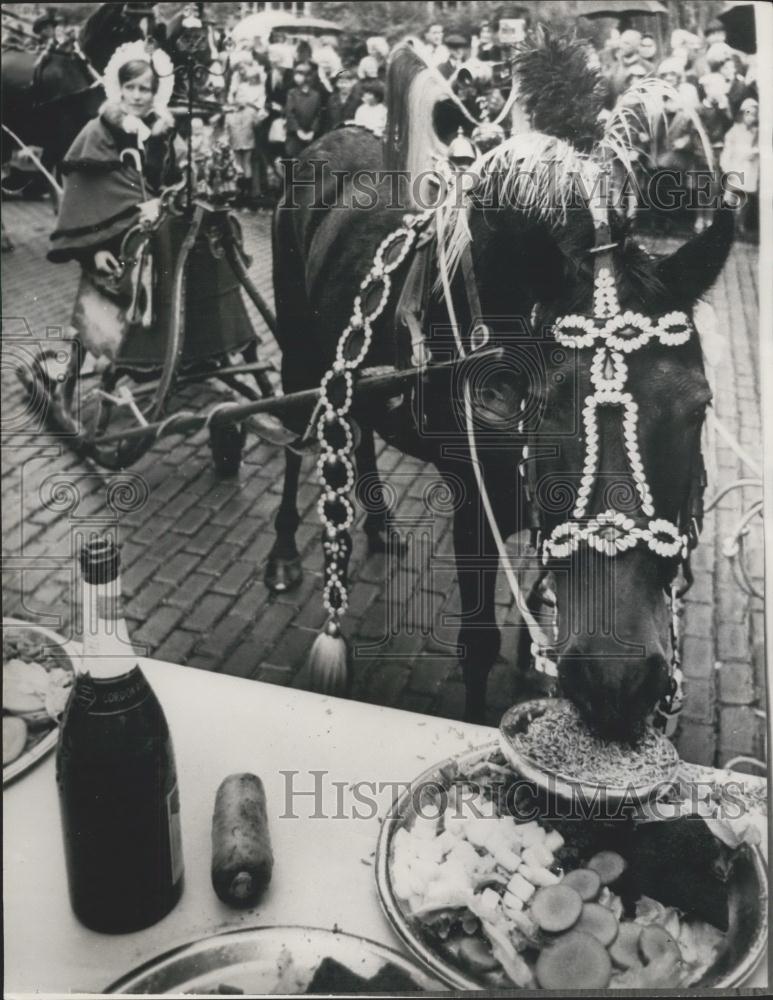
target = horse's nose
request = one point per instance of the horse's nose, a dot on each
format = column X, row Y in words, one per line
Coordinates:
column 614, row 694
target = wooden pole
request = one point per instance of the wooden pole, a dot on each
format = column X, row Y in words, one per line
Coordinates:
column 232, row 413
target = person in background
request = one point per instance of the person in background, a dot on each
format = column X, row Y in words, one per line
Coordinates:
column 303, row 111
column 648, row 48
column 368, row 68
column 741, row 159
column 343, row 102
column 43, row 28
column 716, row 118
column 259, row 51
column 737, row 90
column 435, row 51
column 272, row 134
column 248, row 95
column 372, row 113
column 458, row 52
column 378, row 47
column 628, row 57
column 488, row 50
column 327, row 57
column 671, row 72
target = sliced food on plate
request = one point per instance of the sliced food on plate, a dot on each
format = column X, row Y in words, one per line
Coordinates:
column 37, row 679
column 495, row 891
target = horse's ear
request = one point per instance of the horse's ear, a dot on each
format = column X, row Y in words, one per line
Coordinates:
column 690, row 271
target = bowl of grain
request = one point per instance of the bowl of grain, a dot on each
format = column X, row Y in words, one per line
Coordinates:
column 548, row 743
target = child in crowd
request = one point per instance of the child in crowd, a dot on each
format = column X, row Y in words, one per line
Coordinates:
column 741, row 160
column 303, row 111
column 372, row 113
column 248, row 97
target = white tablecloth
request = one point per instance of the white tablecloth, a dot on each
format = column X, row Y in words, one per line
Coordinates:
column 323, row 872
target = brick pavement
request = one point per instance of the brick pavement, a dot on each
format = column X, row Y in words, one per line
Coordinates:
column 194, row 546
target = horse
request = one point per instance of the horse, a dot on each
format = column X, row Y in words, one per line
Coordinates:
column 611, row 504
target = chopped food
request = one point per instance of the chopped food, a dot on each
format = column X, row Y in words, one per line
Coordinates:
column 575, row 961
column 608, row 865
column 500, row 898
column 655, row 941
column 556, row 908
column 558, row 741
column 37, row 680
column 624, row 950
column 14, row 738
column 585, row 881
column 477, row 954
column 598, row 921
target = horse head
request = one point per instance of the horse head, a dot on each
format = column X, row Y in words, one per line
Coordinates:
column 603, row 387
column 617, row 473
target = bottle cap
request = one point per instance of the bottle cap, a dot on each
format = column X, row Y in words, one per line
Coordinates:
column 99, row 560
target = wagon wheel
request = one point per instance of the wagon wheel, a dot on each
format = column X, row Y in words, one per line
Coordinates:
column 120, row 397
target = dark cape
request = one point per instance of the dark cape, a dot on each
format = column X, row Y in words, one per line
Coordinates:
column 102, row 194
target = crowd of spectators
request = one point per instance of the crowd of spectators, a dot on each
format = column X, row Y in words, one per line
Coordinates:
column 279, row 97
column 275, row 96
column 714, row 105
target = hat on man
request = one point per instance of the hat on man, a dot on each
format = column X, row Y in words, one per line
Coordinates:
column 455, row 42
column 48, row 20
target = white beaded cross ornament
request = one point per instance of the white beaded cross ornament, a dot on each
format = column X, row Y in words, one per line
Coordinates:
column 614, row 334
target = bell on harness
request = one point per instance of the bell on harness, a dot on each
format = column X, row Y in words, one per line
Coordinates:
column 461, row 152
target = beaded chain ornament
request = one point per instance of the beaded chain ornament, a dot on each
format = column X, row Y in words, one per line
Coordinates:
column 333, row 422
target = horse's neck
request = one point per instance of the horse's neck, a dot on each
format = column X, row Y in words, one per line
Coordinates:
column 59, row 74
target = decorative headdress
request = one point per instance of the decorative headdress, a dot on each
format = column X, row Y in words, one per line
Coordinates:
column 158, row 60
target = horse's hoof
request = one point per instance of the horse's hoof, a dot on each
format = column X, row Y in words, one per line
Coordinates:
column 283, row 574
column 377, row 544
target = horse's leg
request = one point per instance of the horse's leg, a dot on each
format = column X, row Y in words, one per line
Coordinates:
column 283, row 568
column 476, row 568
column 377, row 510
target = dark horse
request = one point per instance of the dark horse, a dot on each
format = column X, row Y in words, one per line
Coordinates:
column 47, row 98
column 527, row 270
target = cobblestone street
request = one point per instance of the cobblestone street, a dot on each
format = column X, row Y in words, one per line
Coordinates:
column 194, row 547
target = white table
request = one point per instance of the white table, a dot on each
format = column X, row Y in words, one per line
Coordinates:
column 323, row 871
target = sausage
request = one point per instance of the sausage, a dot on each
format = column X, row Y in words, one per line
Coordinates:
column 242, row 859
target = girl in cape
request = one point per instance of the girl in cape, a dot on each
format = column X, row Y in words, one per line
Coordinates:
column 114, row 172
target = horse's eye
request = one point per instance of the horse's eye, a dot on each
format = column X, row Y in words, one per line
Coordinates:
column 697, row 414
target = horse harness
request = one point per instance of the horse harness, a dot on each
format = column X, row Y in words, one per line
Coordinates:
column 612, row 334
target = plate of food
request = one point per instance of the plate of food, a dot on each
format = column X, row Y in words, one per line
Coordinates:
column 546, row 741
column 259, row 961
column 492, row 884
column 38, row 672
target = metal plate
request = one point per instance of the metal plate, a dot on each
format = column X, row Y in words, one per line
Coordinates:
column 748, row 898
column 248, row 960
column 561, row 784
column 44, row 740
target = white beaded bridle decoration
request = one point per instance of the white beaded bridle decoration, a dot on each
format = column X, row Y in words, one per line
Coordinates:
column 612, row 532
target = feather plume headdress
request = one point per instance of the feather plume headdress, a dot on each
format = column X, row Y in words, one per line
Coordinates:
column 567, row 163
column 158, row 60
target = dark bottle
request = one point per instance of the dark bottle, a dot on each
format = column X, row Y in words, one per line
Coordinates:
column 115, row 770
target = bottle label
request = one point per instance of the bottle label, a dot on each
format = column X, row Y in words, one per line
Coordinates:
column 175, row 833
column 112, row 695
